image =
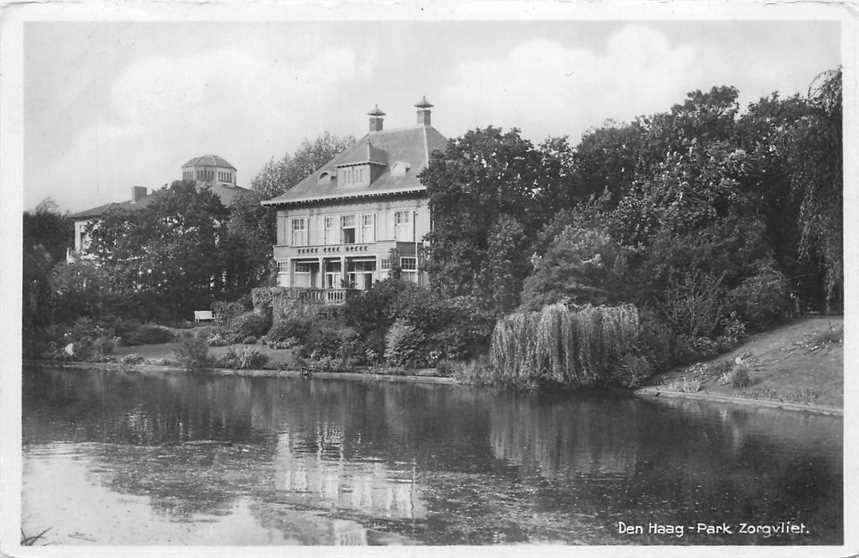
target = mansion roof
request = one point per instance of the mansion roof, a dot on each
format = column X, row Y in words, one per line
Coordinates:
column 399, row 155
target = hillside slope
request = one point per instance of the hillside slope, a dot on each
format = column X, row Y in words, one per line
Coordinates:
column 797, row 365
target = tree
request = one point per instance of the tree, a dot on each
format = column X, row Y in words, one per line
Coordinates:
column 46, row 236
column 278, row 176
column 816, row 169
column 486, row 189
column 170, row 255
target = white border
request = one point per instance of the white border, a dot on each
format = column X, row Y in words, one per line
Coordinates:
column 11, row 167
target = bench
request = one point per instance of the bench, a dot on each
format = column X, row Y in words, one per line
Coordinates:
column 203, row 316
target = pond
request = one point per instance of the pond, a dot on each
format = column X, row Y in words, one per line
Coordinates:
column 131, row 458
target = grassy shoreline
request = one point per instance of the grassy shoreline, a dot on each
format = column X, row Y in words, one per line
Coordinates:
column 798, row 366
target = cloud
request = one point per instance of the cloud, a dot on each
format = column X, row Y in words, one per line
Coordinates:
column 163, row 111
column 546, row 88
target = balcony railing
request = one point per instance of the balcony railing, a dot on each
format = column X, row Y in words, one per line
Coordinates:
column 324, row 296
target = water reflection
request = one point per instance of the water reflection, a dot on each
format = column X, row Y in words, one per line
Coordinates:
column 192, row 459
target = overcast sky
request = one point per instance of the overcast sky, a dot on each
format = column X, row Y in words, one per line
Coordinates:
column 112, row 105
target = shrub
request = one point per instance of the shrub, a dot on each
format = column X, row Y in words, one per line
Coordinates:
column 739, row 374
column 763, row 298
column 131, row 359
column 243, row 358
column 249, row 324
column 694, row 304
column 330, row 339
column 404, row 345
column 217, row 340
column 476, row 371
column 193, row 352
column 149, row 334
column 296, row 328
column 226, row 312
column 632, row 370
column 445, row 368
column 249, row 340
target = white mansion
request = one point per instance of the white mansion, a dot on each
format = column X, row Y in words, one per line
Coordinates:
column 336, row 229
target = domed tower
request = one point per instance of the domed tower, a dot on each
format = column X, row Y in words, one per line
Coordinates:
column 210, row 169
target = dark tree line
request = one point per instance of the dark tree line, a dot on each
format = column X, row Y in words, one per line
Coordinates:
column 701, row 213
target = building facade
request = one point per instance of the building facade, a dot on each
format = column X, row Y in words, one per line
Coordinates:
column 341, row 227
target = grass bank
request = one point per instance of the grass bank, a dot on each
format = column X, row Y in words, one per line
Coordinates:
column 799, row 366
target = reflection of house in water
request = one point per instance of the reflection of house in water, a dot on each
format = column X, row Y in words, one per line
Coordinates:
column 325, row 478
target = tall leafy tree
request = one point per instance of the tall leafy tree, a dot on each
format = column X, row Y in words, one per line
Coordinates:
column 279, row 175
column 169, row 254
column 490, row 192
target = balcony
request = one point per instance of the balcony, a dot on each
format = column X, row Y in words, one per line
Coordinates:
column 332, row 297
column 381, row 247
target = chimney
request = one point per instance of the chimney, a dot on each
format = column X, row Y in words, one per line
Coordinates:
column 137, row 193
column 424, row 112
column 376, row 117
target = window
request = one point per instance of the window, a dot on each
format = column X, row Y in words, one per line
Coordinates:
column 299, row 232
column 403, row 224
column 347, row 229
column 303, row 267
column 408, row 264
column 368, row 232
column 330, row 232
column 283, row 267
column 385, row 263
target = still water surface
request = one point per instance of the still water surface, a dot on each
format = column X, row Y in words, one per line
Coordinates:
column 125, row 458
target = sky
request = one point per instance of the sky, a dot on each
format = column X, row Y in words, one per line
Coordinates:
column 111, row 105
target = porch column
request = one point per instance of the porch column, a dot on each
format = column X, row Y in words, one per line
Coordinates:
column 321, row 273
column 343, row 271
column 290, row 267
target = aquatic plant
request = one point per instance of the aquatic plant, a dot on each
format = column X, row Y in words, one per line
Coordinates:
column 574, row 347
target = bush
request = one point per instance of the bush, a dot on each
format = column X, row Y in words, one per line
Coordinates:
column 762, row 299
column 445, row 368
column 149, row 334
column 243, row 358
column 249, row 340
column 193, row 352
column 404, row 346
column 295, row 328
column 475, row 372
column 131, row 359
column 249, row 324
column 330, row 339
column 632, row 370
column 739, row 374
column 217, row 340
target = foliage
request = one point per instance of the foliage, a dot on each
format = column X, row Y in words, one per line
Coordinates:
column 193, row 352
column 148, row 334
column 249, row 324
column 175, row 255
column 296, row 328
column 489, row 192
column 474, row 371
column 582, row 265
column 739, row 374
column 131, row 359
column 404, row 344
column 243, row 358
column 249, row 340
column 278, row 176
column 631, row 370
column 561, row 346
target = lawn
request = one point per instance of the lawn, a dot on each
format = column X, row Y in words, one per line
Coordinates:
column 802, row 362
column 165, row 351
